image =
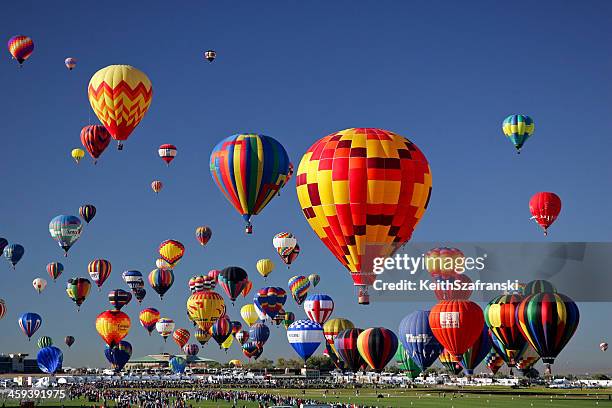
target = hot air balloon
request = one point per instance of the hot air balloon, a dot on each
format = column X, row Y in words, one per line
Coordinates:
column 227, row 343
column 250, row 349
column 265, row 267
column 538, row 286
column 161, row 264
column 210, row 55
column 202, row 336
column 55, row 269
column 314, row 279
column 191, row 349
column 167, row 152
column 77, row 155
column 449, row 362
column 242, row 336
column 377, row 347
column 417, row 338
column 148, row 318
column 20, row 47
column 236, row 326
column 527, row 359
column 298, row 286
column 249, row 314
column 443, row 262
column 177, row 365
column 235, row 363
column 389, row 183
column 305, row 336
column 518, row 128
column 50, row 359
column 501, row 318
column 66, row 230
column 319, row 307
column 2, row 308
column 259, row 333
column 289, row 319
column 405, row 363
column 214, row 273
column 332, row 327
column 87, row 212
column 39, row 284
column 345, row 345
column 457, row 324
column 449, row 292
column 288, row 259
column 247, row 288
column 139, row 294
column 249, row 169
column 119, row 298
column 603, row 346
column 99, row 270
column 171, row 251
column 157, row 185
column 233, row 279
column 113, row 326
column 477, row 352
column 95, row 139
column 548, row 321
column 261, row 314
column 205, row 308
column 181, row 337
column 69, row 340
column 78, row 290
column 120, row 96
column 161, row 280
column 203, row 234
column 221, row 329
column 545, row 208
column 270, row 300
column 285, row 244
column 70, row 63
column 44, row 341
column 13, row 253
column 133, row 279
column 29, row 322
column 494, row 361
column 119, row 355
column 164, row 327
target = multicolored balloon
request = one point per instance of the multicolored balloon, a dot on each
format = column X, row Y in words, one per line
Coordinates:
column 120, row 96
column 332, row 327
column 545, row 208
column 29, row 322
column 298, row 286
column 20, row 47
column 156, row 186
column 191, row 349
column 181, row 337
column 13, row 253
column 449, row 362
column 285, row 244
column 133, row 279
column 501, row 318
column 221, row 329
column 55, row 269
column 345, row 345
column 250, row 350
column 119, row 355
column 270, row 300
column 99, row 271
column 148, row 318
column 119, row 298
column 210, row 55
column 388, row 181
column 249, row 169
column 87, row 212
column 377, row 347
column 205, row 308
column 477, row 352
column 203, row 234
column 259, row 333
column 202, row 336
column 77, row 290
column 314, row 279
column 39, row 284
column 164, row 327
column 518, row 128
column 319, row 307
column 233, row 280
column 305, row 336
column 161, row 281
column 113, row 326
column 95, row 139
column 70, row 63
column 494, row 361
column 171, row 251
column 288, row 319
column 66, row 230
column 242, row 336
column 167, row 152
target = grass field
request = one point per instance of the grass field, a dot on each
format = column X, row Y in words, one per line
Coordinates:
column 401, row 398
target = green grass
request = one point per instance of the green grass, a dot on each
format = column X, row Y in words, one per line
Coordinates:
column 404, row 398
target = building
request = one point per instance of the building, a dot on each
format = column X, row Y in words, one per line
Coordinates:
column 18, row 363
column 160, row 361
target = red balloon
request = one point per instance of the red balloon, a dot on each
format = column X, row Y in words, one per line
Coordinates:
column 95, row 138
column 545, row 208
column 446, row 293
column 457, row 324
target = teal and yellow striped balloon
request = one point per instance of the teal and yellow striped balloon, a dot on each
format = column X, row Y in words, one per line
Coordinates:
column 518, row 128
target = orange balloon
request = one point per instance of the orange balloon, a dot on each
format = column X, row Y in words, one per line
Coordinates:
column 113, row 326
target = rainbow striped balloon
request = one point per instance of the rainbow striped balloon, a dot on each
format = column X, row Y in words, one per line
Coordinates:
column 21, row 47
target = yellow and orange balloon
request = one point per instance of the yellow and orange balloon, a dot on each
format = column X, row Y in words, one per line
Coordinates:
column 205, row 308
column 113, row 326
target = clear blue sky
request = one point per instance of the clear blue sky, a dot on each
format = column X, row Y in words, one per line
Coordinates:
column 441, row 73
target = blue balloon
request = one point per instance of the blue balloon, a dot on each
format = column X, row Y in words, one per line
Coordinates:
column 29, row 323
column 418, row 339
column 305, row 336
column 177, row 365
column 259, row 333
column 50, row 359
column 13, row 253
column 119, row 355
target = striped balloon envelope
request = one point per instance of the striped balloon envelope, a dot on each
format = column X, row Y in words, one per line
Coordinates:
column 345, row 344
column 148, row 318
column 518, row 128
column 181, row 337
column 377, row 346
column 119, row 298
column 494, row 361
column 305, row 336
column 319, row 307
column 29, row 323
column 99, row 270
column 171, row 251
column 477, row 352
column 95, row 139
column 501, row 318
column 167, row 152
column 270, row 300
column 20, row 47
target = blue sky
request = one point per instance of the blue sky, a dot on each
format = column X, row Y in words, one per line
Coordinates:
column 441, row 73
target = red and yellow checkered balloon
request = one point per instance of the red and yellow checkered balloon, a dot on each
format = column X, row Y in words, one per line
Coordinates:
column 363, row 186
column 120, row 95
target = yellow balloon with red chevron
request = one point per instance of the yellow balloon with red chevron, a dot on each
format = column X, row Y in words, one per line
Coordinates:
column 120, row 95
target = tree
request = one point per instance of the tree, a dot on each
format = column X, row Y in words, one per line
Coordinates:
column 291, row 363
column 320, row 363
